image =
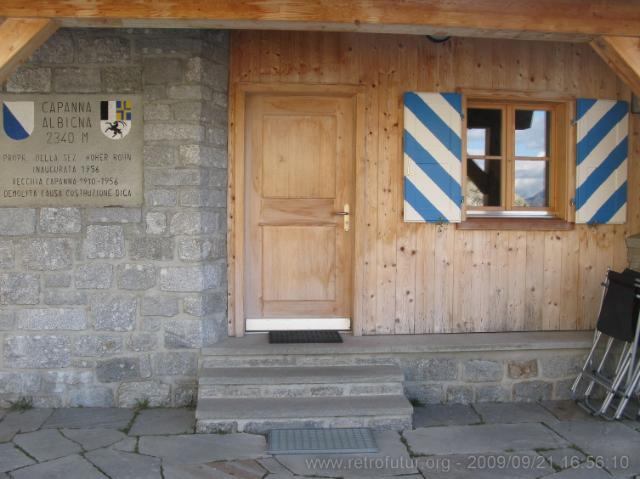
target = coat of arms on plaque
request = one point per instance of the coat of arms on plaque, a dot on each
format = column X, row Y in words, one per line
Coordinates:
column 115, row 118
column 18, row 118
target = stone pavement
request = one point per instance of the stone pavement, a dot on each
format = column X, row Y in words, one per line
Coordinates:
column 553, row 440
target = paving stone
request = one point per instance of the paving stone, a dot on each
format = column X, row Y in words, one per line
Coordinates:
column 124, row 465
column 46, row 444
column 128, row 444
column 392, row 459
column 70, row 467
column 564, row 458
column 163, row 421
column 12, row 458
column 90, row 418
column 229, row 469
column 200, row 449
column 523, row 465
column 568, row 411
column 272, row 466
column 513, row 412
column 444, row 415
column 26, row 421
column 91, row 439
column 584, row 471
column 481, row 439
column 610, row 440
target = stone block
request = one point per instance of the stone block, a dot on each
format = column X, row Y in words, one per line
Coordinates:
column 154, row 92
column 107, row 49
column 123, row 79
column 492, row 393
column 161, row 198
column 203, row 199
column 57, row 280
column 459, row 394
column 190, row 279
column 94, row 276
column 19, row 288
column 114, row 215
column 162, row 70
column 562, row 389
column 104, row 242
column 173, row 177
column 158, row 394
column 52, row 319
column 431, row 369
column 17, row 221
column 118, row 369
column 35, row 352
column 29, row 79
column 183, row 334
column 58, row 381
column 151, row 248
column 114, row 313
column 159, row 155
column 425, row 393
column 97, row 345
column 159, row 306
column 174, row 132
column 185, row 394
column 522, row 369
column 205, row 304
column 561, row 366
column 181, row 363
column 156, row 222
column 7, row 320
column 47, row 254
column 532, row 391
column 157, row 111
column 20, row 383
column 76, row 80
column 60, row 297
column 202, row 249
column 193, row 223
column 57, row 49
column 60, row 220
column 480, row 370
column 136, row 276
column 189, row 92
column 186, row 110
column 6, row 255
column 94, row 396
column 142, row 342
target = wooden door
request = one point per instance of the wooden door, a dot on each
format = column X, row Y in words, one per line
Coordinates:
column 300, row 158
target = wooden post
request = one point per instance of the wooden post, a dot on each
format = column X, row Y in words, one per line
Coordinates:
column 20, row 38
column 622, row 54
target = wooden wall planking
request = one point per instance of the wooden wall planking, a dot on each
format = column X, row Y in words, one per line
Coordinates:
column 423, row 278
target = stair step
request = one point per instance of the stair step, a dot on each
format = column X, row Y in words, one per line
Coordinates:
column 262, row 414
column 301, row 375
column 211, row 391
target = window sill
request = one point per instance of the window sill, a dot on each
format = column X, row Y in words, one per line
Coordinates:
column 521, row 224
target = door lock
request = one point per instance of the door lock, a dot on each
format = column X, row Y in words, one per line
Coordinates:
column 345, row 217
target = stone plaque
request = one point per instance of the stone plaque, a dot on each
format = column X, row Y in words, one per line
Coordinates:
column 71, row 150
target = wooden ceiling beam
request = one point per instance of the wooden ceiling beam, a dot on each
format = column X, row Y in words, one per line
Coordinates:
column 573, row 19
column 622, row 54
column 21, row 37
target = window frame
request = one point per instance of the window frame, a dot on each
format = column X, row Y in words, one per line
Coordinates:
column 564, row 215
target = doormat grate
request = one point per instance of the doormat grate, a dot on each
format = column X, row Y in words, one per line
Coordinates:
column 322, row 441
column 282, row 337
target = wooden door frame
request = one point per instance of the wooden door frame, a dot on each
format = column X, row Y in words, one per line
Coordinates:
column 236, row 192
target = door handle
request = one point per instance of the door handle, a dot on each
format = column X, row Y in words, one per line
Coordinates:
column 346, row 222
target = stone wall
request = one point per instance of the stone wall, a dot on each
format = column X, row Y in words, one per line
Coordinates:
column 106, row 306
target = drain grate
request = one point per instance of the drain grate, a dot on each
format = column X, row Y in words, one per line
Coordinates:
column 322, row 441
column 282, row 337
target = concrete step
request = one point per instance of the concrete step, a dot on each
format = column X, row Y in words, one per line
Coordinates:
column 283, row 382
column 258, row 415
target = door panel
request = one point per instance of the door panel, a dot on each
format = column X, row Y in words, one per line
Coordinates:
column 300, row 158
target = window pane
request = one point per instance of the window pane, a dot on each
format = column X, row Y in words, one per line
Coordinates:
column 483, row 182
column 532, row 183
column 484, row 130
column 532, row 133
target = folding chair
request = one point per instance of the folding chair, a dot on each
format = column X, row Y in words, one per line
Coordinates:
column 616, row 375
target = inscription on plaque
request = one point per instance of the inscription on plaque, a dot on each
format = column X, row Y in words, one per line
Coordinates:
column 71, row 150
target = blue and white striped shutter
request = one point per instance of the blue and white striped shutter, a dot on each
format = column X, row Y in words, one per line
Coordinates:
column 601, row 156
column 432, row 157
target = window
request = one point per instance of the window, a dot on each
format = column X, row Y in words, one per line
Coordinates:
column 512, row 159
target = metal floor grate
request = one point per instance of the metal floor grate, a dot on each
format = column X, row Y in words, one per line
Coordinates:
column 283, row 337
column 322, row 441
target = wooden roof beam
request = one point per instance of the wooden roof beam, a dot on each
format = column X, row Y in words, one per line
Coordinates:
column 574, row 20
column 622, row 54
column 21, row 37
